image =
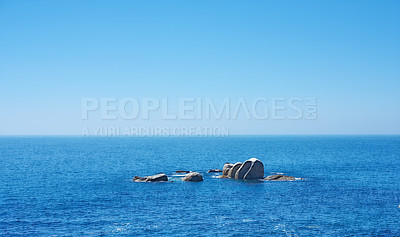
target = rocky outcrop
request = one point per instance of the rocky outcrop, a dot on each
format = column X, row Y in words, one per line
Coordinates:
column 193, row 177
column 279, row 177
column 232, row 171
column 154, row 178
column 214, row 171
column 250, row 169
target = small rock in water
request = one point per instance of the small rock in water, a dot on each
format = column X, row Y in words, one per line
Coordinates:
column 279, row 177
column 153, row 178
column 182, row 171
column 214, row 171
column 193, row 177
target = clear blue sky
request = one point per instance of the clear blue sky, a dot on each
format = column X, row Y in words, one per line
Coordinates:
column 345, row 53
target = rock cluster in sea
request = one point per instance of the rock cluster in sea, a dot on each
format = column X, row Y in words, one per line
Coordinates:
column 250, row 169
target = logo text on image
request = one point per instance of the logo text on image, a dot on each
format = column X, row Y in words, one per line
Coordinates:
column 191, row 108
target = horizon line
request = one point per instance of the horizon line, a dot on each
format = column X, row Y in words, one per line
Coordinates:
column 230, row 135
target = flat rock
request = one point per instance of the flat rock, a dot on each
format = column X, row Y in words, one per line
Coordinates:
column 279, row 177
column 214, row 171
column 182, row 171
column 153, row 178
column 193, row 177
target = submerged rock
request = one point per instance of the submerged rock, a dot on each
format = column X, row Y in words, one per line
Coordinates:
column 193, row 177
column 214, row 171
column 182, row 171
column 279, row 177
column 153, row 178
column 251, row 169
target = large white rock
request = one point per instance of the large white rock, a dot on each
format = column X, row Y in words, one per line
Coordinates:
column 251, row 169
column 234, row 169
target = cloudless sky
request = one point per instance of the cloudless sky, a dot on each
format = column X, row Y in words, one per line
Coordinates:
column 344, row 53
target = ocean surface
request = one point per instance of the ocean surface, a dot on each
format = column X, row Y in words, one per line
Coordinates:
column 74, row 186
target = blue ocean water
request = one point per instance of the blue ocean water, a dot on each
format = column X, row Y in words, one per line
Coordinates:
column 82, row 186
